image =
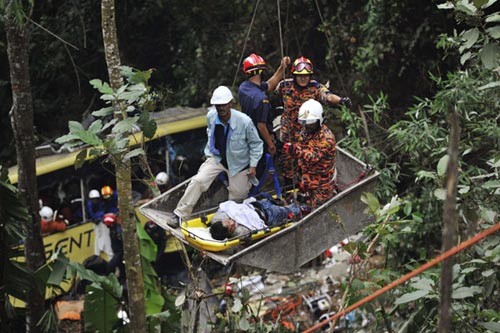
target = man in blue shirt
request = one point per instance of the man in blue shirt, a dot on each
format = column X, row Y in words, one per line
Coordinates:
column 233, row 146
column 255, row 103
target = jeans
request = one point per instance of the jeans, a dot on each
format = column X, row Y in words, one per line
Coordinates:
column 277, row 215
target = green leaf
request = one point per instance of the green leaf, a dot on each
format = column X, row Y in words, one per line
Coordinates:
column 102, row 87
column 89, row 138
column 464, row 292
column 488, row 272
column 440, row 193
column 99, row 310
column 466, row 7
column 148, row 125
column 133, row 153
column 371, row 201
column 80, row 159
column 237, row 306
column 479, row 3
column 57, row 274
column 492, row 326
column 147, row 245
column 243, row 324
column 66, row 138
column 413, row 296
column 423, row 284
column 489, row 55
column 95, row 127
column 179, row 300
column 494, row 32
column 466, row 56
column 488, row 215
column 469, row 270
column 490, row 85
column 494, row 17
column 442, row 165
column 104, row 112
column 75, row 126
column 470, row 37
column 110, row 123
column 125, row 125
column 446, row 5
column 491, row 184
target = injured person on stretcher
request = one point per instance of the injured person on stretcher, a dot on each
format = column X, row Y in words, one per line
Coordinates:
column 234, row 219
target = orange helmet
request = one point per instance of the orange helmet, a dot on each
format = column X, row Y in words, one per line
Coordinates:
column 254, row 64
column 106, row 191
column 302, row 66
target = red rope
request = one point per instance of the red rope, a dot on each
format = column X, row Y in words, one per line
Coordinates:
column 344, row 186
column 408, row 276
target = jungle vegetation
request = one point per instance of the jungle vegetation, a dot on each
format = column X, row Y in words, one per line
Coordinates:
column 407, row 65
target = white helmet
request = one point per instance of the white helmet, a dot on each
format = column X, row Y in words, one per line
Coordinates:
column 46, row 213
column 221, row 95
column 161, row 178
column 310, row 112
column 94, row 194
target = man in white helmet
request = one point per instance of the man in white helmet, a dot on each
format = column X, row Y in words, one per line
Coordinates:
column 161, row 181
column 315, row 153
column 48, row 224
column 95, row 212
column 233, row 146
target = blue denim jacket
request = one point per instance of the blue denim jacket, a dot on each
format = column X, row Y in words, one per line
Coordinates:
column 244, row 147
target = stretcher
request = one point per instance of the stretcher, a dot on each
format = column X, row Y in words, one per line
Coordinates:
column 196, row 232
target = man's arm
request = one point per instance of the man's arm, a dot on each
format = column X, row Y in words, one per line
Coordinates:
column 264, row 132
column 278, row 75
column 255, row 144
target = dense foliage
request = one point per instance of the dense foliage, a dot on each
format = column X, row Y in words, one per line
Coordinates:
column 406, row 65
column 194, row 46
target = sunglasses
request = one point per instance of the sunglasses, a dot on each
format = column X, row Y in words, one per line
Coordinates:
column 303, row 65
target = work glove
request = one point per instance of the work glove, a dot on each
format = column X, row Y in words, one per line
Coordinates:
column 346, row 101
column 289, row 148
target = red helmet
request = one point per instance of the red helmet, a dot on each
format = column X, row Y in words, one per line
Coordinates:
column 109, row 219
column 106, row 191
column 302, row 66
column 254, row 64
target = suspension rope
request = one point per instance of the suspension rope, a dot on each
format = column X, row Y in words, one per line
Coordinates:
column 408, row 276
column 330, row 45
column 245, row 44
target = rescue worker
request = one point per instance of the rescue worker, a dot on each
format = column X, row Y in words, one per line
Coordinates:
column 95, row 208
column 110, row 200
column 233, row 147
column 95, row 212
column 255, row 103
column 115, row 234
column 161, row 181
column 47, row 222
column 294, row 92
column 237, row 219
column 315, row 153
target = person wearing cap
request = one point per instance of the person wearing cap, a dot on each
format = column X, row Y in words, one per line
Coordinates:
column 234, row 219
column 294, row 92
column 95, row 212
column 233, row 147
column 109, row 200
column 48, row 224
column 252, row 95
column 161, row 180
column 95, row 207
column 315, row 154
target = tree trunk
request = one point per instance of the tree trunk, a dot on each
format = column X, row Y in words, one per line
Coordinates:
column 449, row 235
column 133, row 267
column 22, row 124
